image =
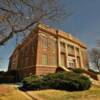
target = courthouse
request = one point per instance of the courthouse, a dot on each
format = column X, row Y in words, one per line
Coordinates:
column 48, row 50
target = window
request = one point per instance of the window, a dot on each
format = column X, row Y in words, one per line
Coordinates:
column 54, row 60
column 53, row 47
column 78, row 62
column 62, row 46
column 27, row 61
column 77, row 51
column 63, row 59
column 44, row 59
column 70, row 50
column 71, row 63
column 44, row 40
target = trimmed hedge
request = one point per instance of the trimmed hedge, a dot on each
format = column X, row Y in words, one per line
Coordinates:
column 63, row 80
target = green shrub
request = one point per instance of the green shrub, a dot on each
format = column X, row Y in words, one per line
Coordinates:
column 74, row 81
column 78, row 70
column 63, row 80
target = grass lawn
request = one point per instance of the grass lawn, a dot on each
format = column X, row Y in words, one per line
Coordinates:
column 92, row 94
column 9, row 92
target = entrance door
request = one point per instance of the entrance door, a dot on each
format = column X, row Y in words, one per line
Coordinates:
column 63, row 59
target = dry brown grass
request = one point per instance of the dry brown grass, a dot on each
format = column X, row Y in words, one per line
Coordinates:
column 9, row 92
column 92, row 94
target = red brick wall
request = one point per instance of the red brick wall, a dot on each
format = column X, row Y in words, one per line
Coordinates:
column 43, row 70
column 14, row 61
column 28, row 53
column 26, row 71
column 50, row 51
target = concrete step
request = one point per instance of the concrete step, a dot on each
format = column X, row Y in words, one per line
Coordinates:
column 64, row 68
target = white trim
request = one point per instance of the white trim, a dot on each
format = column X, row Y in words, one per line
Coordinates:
column 59, row 56
column 46, row 65
column 81, row 59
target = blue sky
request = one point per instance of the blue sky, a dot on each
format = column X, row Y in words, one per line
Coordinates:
column 85, row 20
column 84, row 23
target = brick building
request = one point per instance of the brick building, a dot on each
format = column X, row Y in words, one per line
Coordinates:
column 48, row 50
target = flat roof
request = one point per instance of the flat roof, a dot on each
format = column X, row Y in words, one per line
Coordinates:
column 62, row 34
column 55, row 32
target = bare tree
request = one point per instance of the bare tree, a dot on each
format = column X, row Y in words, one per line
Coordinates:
column 17, row 16
column 95, row 57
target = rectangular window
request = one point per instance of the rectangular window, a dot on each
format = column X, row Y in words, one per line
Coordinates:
column 44, row 59
column 54, row 60
column 63, row 59
column 62, row 46
column 77, row 51
column 53, row 45
column 78, row 62
column 27, row 61
column 71, row 50
column 44, row 41
column 71, row 63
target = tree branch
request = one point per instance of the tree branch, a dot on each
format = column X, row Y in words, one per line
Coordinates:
column 10, row 11
column 14, row 14
column 6, row 38
column 16, row 31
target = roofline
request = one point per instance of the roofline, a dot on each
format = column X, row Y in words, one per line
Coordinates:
column 64, row 35
column 54, row 32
